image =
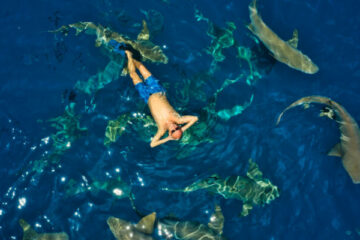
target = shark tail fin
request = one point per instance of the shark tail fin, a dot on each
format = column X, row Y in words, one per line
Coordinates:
column 252, row 5
column 336, row 151
column 251, row 28
column 144, row 34
column 312, row 99
column 28, row 230
column 301, row 101
column 146, row 224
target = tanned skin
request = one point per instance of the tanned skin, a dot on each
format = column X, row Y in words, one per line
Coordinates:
column 165, row 116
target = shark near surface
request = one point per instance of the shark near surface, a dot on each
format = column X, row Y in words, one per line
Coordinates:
column 285, row 52
column 349, row 146
column 168, row 228
column 31, row 234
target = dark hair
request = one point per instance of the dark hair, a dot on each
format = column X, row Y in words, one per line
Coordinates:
column 174, row 130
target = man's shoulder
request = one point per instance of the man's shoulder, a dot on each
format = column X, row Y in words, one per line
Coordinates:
column 175, row 116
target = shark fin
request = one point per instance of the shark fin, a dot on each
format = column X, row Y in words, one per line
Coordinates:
column 146, row 224
column 29, row 232
column 253, row 4
column 336, row 151
column 144, row 34
column 251, row 28
column 217, row 220
column 294, row 40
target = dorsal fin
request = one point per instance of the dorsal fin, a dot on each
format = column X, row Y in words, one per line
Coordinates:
column 29, row 232
column 146, row 224
column 217, row 220
column 253, row 4
column 251, row 28
column 294, row 40
column 336, row 151
column 144, row 34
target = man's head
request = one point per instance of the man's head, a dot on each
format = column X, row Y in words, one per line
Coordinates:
column 175, row 131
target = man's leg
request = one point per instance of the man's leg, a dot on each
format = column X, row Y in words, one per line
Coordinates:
column 142, row 69
column 132, row 70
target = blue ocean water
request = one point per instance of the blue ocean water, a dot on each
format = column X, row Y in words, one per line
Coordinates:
column 39, row 69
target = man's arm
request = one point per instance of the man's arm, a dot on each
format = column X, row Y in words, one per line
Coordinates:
column 156, row 141
column 189, row 120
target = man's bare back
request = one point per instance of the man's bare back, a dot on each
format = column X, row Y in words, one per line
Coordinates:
column 165, row 116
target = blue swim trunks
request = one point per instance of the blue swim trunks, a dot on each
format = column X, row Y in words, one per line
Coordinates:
column 149, row 87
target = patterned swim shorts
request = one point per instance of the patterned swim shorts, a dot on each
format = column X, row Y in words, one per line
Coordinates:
column 148, row 87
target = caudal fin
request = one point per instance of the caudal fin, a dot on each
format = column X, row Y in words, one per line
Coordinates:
column 252, row 5
column 306, row 100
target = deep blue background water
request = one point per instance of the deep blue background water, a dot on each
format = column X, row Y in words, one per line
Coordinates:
column 318, row 199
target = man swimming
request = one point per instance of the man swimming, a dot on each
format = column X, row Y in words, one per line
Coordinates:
column 165, row 116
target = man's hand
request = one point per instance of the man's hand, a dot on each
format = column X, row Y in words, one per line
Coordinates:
column 189, row 120
column 156, row 141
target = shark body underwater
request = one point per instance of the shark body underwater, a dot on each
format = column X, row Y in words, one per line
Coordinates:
column 285, row 52
column 30, row 234
column 148, row 50
column 124, row 230
column 252, row 189
column 349, row 146
column 169, row 228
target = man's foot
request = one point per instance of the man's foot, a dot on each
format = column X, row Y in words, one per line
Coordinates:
column 129, row 55
column 130, row 64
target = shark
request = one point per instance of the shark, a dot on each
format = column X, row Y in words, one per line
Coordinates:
column 147, row 49
column 191, row 230
column 349, row 146
column 252, row 189
column 124, row 230
column 283, row 51
column 168, row 227
column 31, row 234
